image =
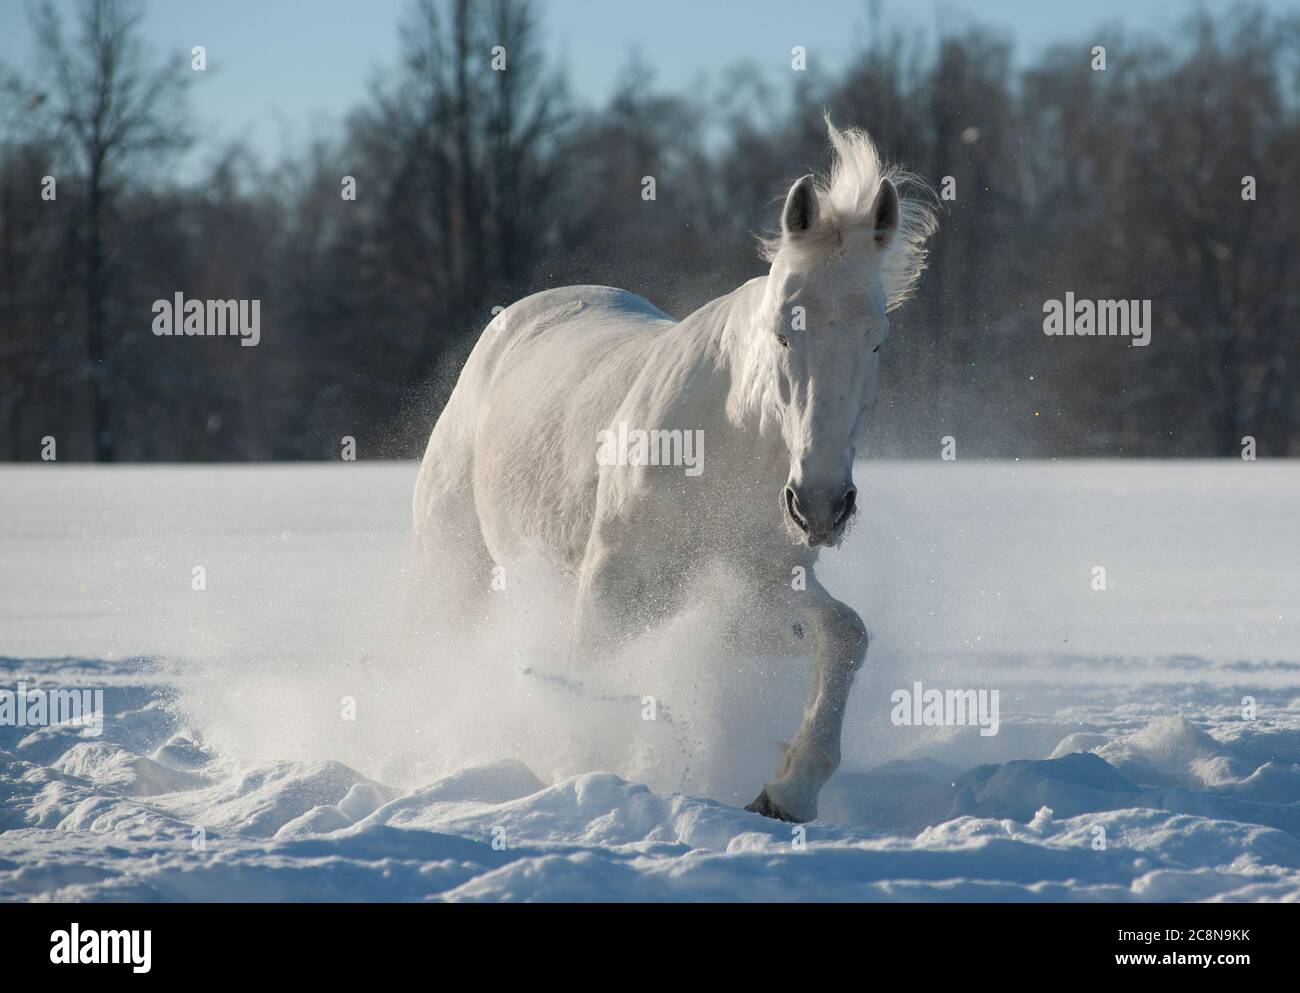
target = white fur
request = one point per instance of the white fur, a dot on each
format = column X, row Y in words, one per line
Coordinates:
column 511, row 464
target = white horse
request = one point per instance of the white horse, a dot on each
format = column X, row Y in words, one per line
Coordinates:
column 776, row 376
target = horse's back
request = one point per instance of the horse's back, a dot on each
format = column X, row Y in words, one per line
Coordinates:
column 570, row 310
column 572, row 300
column 519, row 430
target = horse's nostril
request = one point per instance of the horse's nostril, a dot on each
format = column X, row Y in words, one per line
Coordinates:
column 850, row 501
column 792, row 508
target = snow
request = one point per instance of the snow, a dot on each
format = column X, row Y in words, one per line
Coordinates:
column 268, row 738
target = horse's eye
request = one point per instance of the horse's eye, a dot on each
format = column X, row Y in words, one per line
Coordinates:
column 875, row 350
column 785, row 342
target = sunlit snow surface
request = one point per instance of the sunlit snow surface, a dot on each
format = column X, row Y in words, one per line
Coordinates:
column 275, row 711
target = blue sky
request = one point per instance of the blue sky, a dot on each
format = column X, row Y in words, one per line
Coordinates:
column 278, row 69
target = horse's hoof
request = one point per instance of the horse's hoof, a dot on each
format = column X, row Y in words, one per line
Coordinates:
column 764, row 805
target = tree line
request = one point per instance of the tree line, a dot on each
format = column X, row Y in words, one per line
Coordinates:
column 1170, row 176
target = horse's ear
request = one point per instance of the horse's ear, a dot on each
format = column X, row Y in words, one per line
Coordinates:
column 886, row 213
column 800, row 211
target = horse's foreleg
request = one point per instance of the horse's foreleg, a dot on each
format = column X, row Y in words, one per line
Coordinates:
column 606, row 609
column 838, row 647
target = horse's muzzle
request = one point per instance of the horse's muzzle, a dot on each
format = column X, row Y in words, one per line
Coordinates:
column 821, row 522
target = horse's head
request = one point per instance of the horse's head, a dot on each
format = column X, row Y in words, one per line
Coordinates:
column 849, row 251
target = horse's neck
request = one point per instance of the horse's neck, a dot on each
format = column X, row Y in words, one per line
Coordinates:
column 725, row 330
column 725, row 324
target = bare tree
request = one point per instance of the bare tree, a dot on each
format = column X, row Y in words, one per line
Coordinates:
column 460, row 145
column 116, row 116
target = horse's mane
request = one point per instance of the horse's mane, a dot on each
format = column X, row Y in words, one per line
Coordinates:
column 845, row 203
